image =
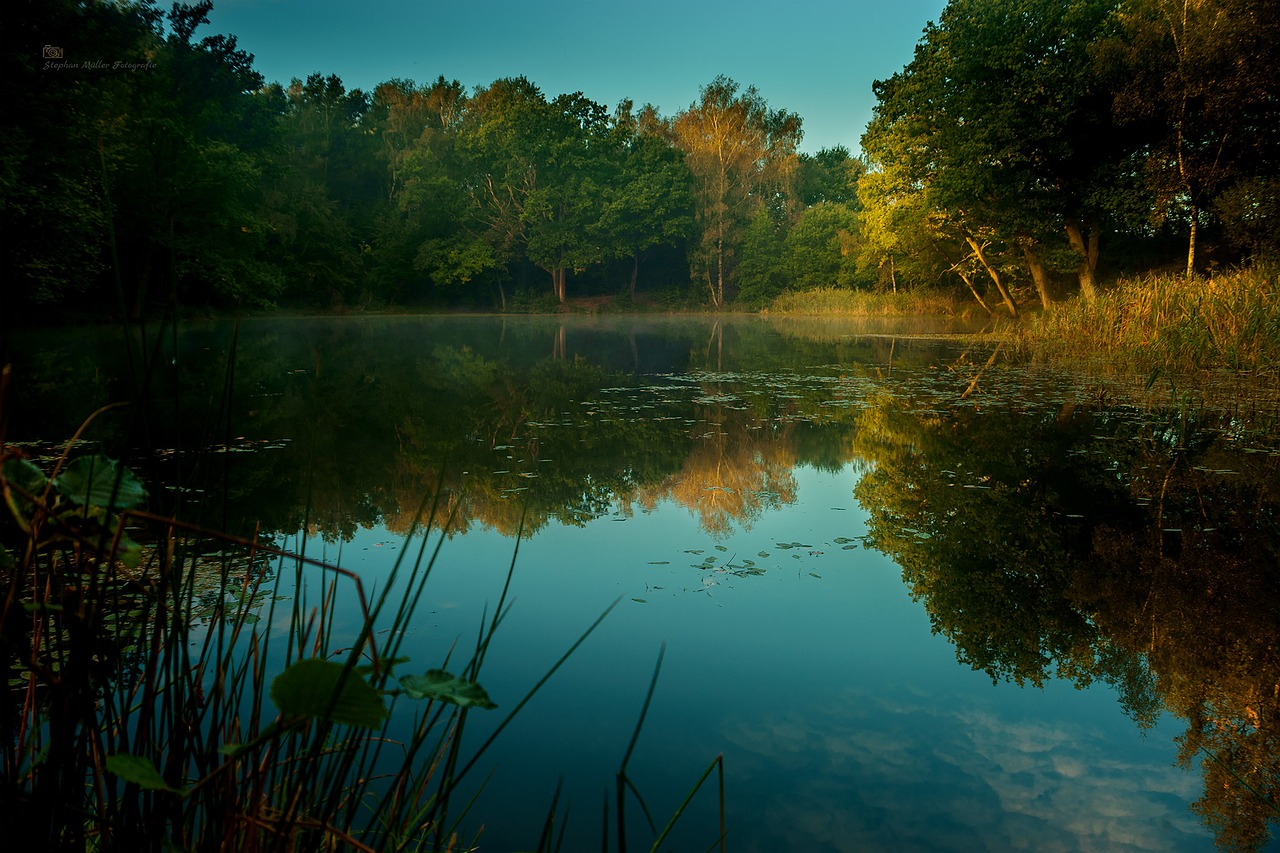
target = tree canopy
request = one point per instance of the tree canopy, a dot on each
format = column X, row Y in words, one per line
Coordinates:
column 1029, row 147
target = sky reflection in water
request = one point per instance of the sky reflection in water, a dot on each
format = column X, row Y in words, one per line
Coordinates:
column 703, row 472
column 845, row 723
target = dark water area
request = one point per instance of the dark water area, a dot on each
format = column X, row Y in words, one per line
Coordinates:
column 921, row 593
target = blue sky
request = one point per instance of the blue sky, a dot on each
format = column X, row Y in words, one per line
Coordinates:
column 816, row 58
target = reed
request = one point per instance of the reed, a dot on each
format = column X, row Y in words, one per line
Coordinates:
column 1166, row 322
column 862, row 303
column 173, row 687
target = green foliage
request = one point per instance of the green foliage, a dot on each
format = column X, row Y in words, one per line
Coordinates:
column 140, row 771
column 436, row 684
column 1019, row 124
column 821, row 249
column 325, row 690
column 95, row 480
column 1024, row 140
column 743, row 157
column 83, row 497
column 761, row 275
column 1166, row 322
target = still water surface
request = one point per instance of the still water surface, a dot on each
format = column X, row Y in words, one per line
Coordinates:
column 919, row 597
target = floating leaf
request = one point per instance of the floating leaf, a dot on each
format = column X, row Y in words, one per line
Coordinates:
column 140, row 771
column 100, row 481
column 438, row 684
column 639, row 601
column 721, row 548
column 308, row 687
column 815, row 575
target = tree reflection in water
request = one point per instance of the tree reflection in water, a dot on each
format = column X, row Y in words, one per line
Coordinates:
column 1100, row 544
column 1048, row 531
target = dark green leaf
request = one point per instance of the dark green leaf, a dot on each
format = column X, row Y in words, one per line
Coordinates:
column 100, row 481
column 140, row 771
column 25, row 476
column 438, row 684
column 309, row 687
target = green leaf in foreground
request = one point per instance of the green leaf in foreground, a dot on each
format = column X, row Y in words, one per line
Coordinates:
column 140, row 771
column 438, row 684
column 25, row 475
column 308, row 688
column 29, row 478
column 93, row 480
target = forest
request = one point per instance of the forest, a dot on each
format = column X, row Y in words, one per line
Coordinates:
column 1030, row 151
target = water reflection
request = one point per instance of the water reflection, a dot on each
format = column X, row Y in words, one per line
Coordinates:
column 1101, row 543
column 1050, row 529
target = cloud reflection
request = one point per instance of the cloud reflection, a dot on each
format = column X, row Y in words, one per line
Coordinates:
column 872, row 773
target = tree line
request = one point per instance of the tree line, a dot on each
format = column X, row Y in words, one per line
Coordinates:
column 150, row 163
column 1030, row 136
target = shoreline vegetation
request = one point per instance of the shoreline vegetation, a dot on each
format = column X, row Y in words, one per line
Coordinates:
column 1169, row 323
column 1230, row 321
column 202, row 187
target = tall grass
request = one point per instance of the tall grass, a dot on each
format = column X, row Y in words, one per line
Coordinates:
column 863, row 303
column 1230, row 321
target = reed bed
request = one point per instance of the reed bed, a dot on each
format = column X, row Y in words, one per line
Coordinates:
column 861, row 303
column 1166, row 322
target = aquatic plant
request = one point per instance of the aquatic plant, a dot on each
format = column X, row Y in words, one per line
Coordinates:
column 172, row 687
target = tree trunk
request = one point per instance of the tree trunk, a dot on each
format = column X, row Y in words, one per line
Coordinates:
column 635, row 274
column 995, row 276
column 1191, row 242
column 557, row 283
column 1088, row 257
column 1038, row 274
column 969, row 283
column 717, row 298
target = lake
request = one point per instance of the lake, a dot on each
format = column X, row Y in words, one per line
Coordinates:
column 921, row 592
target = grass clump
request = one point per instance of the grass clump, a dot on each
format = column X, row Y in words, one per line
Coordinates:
column 1167, row 322
column 863, row 303
column 160, row 699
